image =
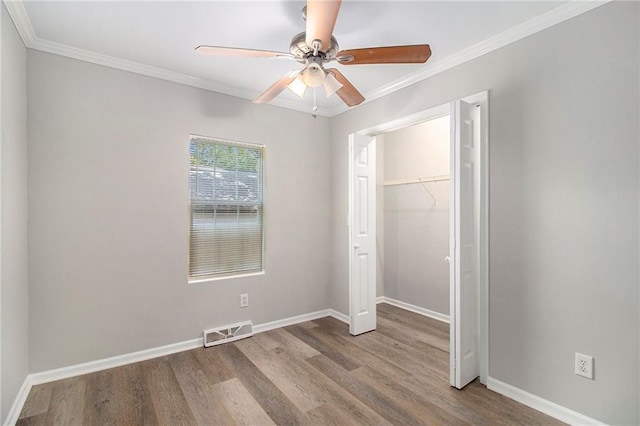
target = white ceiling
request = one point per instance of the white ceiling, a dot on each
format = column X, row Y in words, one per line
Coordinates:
column 161, row 36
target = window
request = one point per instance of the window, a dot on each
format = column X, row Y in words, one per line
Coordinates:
column 226, row 190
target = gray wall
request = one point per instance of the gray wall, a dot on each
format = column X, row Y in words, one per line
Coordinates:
column 564, row 205
column 416, row 229
column 13, row 226
column 108, row 216
column 108, row 166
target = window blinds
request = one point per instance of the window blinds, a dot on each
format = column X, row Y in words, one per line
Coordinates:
column 226, row 191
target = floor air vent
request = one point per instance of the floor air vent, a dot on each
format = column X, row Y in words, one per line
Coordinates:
column 228, row 333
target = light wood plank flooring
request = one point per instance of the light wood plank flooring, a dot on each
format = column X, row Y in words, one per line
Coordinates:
column 313, row 373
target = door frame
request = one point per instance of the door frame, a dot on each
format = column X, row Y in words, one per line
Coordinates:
column 481, row 100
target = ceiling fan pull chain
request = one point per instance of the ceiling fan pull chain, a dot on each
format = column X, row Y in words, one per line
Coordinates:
column 315, row 106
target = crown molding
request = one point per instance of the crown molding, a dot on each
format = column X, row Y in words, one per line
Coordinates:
column 560, row 14
column 21, row 20
column 156, row 72
column 525, row 29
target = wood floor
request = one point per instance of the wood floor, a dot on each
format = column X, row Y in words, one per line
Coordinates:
column 313, row 373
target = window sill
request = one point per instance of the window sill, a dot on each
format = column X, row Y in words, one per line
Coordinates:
column 226, row 277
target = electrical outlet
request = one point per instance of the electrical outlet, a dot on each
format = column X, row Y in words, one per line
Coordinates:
column 584, row 365
column 244, row 300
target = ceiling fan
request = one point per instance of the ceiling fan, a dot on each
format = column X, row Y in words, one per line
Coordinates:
column 316, row 47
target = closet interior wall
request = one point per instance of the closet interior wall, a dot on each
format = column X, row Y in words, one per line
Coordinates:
column 413, row 216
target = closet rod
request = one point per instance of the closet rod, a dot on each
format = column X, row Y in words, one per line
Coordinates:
column 415, row 180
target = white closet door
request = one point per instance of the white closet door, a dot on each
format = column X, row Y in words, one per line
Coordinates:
column 362, row 212
column 465, row 242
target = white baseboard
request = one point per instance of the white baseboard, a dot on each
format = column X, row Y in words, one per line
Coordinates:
column 111, row 362
column 18, row 403
column 340, row 316
column 130, row 358
column 413, row 308
column 296, row 320
column 550, row 408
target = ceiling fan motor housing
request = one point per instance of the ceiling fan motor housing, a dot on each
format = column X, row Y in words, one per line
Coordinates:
column 301, row 50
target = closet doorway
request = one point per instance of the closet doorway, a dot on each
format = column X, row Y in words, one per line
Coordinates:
column 398, row 208
column 413, row 209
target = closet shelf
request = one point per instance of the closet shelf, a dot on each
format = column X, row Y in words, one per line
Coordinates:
column 415, row 180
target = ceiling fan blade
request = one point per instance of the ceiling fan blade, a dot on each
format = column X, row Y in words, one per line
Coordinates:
column 347, row 92
column 321, row 18
column 240, row 52
column 276, row 88
column 414, row 54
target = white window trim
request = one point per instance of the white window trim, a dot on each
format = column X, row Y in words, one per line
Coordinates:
column 262, row 272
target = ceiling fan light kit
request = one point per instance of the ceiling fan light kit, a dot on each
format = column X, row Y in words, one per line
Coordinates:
column 331, row 84
column 316, row 47
column 313, row 75
column 298, row 86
